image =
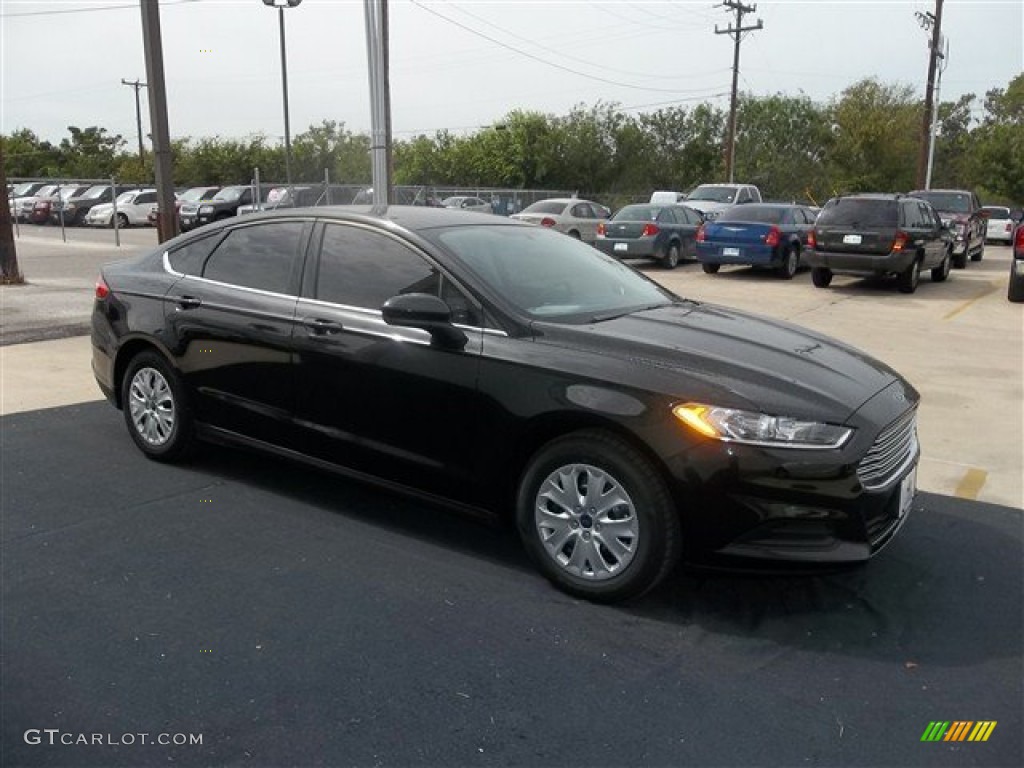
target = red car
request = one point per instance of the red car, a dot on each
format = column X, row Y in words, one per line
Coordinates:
column 43, row 208
column 1015, row 291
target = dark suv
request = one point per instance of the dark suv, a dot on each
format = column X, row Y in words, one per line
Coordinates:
column 879, row 235
column 222, row 205
column 961, row 211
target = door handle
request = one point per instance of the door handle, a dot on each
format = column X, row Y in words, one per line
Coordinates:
column 320, row 327
column 188, row 302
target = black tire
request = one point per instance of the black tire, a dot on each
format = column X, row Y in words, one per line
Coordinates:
column 980, row 254
column 156, row 410
column 821, row 277
column 941, row 272
column 960, row 260
column 909, row 278
column 574, row 234
column 671, row 259
column 650, row 540
column 79, row 219
column 122, row 221
column 790, row 261
column 710, row 269
column 1015, row 290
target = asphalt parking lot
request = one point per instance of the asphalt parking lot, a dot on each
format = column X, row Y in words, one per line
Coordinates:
column 291, row 618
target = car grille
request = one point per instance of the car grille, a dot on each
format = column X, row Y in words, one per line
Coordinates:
column 893, row 448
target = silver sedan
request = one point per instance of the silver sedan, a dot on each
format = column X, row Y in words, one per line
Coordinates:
column 576, row 218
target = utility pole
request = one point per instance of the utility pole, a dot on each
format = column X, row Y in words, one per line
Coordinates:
column 736, row 33
column 376, row 17
column 933, row 22
column 138, row 114
column 934, row 130
column 167, row 221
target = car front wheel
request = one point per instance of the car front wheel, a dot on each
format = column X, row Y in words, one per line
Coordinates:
column 155, row 409
column 710, row 269
column 597, row 517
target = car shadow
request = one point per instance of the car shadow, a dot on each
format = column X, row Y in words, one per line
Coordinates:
column 947, row 590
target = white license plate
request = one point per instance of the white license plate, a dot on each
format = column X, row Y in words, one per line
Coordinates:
column 622, row 246
column 851, row 239
column 730, row 251
column 908, row 487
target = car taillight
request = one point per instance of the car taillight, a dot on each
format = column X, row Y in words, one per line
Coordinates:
column 773, row 236
column 102, row 290
column 547, row 222
column 1009, row 226
column 812, row 241
column 700, row 234
column 650, row 230
column 601, row 229
column 1018, row 240
column 899, row 241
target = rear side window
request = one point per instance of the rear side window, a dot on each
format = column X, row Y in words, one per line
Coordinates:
column 260, row 256
column 859, row 212
column 189, row 259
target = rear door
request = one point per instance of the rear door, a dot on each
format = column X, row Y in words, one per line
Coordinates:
column 230, row 319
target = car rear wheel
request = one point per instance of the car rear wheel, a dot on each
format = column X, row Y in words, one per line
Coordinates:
column 980, row 254
column 960, row 260
column 122, row 221
column 790, row 260
column 910, row 277
column 941, row 272
column 155, row 409
column 671, row 260
column 821, row 277
column 710, row 269
column 574, row 234
column 597, row 518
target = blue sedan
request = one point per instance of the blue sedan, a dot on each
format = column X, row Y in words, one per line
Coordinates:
column 664, row 233
column 769, row 235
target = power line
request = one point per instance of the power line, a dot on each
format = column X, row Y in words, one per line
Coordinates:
column 92, row 9
column 529, row 55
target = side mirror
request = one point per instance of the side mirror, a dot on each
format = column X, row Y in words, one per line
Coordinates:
column 427, row 312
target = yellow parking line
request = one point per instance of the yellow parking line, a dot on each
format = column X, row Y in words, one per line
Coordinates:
column 970, row 484
column 966, row 305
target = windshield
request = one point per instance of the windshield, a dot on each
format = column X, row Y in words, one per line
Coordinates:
column 548, row 275
column 68, row 192
column 230, row 194
column 95, row 192
column 195, row 194
column 545, row 206
column 712, row 194
column 754, row 213
column 997, row 213
column 48, row 191
column 859, row 212
column 125, row 197
column 951, row 202
column 22, row 190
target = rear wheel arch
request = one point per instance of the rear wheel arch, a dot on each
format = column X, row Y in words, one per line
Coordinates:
column 127, row 352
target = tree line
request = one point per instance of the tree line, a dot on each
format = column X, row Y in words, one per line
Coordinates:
column 865, row 139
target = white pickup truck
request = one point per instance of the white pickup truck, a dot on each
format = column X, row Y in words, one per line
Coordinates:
column 712, row 199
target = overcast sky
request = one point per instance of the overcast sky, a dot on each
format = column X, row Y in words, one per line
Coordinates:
column 463, row 64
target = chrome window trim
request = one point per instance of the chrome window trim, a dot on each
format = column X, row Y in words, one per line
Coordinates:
column 375, row 314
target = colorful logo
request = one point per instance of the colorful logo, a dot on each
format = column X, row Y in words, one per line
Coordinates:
column 959, row 730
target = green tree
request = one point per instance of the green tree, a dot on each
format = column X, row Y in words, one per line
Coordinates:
column 876, row 129
column 28, row 156
column 90, row 153
column 997, row 146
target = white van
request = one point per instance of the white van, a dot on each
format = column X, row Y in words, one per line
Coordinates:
column 662, row 197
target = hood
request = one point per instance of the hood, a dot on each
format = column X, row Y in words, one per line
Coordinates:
column 722, row 356
column 101, row 208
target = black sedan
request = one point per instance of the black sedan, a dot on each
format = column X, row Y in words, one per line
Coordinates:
column 497, row 366
column 664, row 233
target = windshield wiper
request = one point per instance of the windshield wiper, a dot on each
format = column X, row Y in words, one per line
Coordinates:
column 623, row 312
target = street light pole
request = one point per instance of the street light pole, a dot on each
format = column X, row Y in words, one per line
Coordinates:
column 281, row 5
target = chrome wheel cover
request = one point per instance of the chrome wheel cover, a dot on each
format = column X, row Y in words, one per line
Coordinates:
column 151, row 403
column 586, row 522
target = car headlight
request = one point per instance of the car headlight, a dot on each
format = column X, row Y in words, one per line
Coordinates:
column 732, row 425
column 206, row 209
